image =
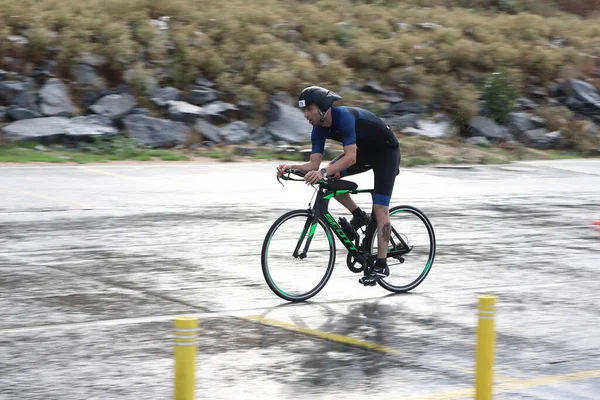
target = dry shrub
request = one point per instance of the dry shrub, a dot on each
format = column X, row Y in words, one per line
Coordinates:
column 581, row 136
column 579, row 7
column 556, row 117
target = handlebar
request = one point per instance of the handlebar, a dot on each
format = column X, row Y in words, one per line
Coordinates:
column 299, row 173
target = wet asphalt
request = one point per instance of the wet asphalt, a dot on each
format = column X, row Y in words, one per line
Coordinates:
column 97, row 260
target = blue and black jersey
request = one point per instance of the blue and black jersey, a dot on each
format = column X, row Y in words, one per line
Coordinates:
column 352, row 125
column 377, row 147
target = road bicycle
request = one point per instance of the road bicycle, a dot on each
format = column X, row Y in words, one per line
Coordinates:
column 298, row 252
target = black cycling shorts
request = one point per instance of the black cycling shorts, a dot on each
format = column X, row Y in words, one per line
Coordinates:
column 385, row 163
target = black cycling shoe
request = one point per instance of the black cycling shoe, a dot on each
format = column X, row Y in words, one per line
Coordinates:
column 376, row 272
column 367, row 281
column 380, row 269
column 360, row 221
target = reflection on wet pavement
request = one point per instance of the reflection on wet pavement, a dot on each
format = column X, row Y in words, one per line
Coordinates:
column 96, row 263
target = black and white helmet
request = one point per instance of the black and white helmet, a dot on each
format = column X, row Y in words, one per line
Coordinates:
column 322, row 97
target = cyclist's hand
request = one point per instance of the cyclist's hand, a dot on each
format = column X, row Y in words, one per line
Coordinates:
column 281, row 169
column 313, row 177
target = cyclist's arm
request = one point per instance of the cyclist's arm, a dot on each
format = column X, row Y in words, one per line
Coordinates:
column 313, row 163
column 348, row 159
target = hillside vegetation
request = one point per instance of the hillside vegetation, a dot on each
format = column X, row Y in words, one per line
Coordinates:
column 252, row 49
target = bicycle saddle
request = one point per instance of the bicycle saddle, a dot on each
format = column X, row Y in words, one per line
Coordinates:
column 341, row 184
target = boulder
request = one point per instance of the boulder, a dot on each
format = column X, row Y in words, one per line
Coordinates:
column 155, row 132
column 208, row 131
column 488, row 128
column 287, row 123
column 115, row 106
column 200, row 96
column 437, row 130
column 57, row 129
column 55, row 100
column 236, row 132
column 184, row 112
column 16, row 113
column 220, row 112
column 162, row 96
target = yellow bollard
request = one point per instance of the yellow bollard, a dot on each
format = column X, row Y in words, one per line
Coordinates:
column 485, row 348
column 186, row 341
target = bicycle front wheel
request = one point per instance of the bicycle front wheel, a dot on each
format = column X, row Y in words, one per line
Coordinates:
column 411, row 249
column 293, row 270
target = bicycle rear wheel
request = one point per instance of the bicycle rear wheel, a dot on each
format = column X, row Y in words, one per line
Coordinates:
column 411, row 251
column 297, row 277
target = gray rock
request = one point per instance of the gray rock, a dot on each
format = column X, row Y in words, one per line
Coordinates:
column 140, row 111
column 247, row 108
column 538, row 122
column 260, row 137
column 184, row 112
column 159, row 25
column 526, row 104
column 437, row 130
column 413, row 132
column 93, row 60
column 155, row 132
column 202, row 81
column 48, row 128
column 374, row 86
column 16, row 113
column 91, row 126
column 287, row 123
column 9, row 90
column 428, row 26
column 162, row 96
column 93, row 119
column 56, row 129
column 520, row 122
column 114, row 106
column 208, row 131
column 55, row 100
column 18, row 40
column 2, row 113
column 398, row 123
column 202, row 96
column 586, row 92
column 236, row 132
column 323, row 59
column 482, row 126
column 392, row 98
column 220, row 112
column 542, row 139
column 27, row 99
column 86, row 75
column 403, row 26
column 406, row 107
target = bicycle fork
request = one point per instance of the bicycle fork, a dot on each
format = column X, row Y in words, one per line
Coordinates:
column 309, row 229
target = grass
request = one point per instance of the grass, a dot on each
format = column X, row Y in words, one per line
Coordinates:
column 98, row 152
column 415, row 151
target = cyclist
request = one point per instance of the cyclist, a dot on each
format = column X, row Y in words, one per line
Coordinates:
column 368, row 144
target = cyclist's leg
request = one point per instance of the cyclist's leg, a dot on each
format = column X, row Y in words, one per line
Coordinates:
column 361, row 165
column 385, row 170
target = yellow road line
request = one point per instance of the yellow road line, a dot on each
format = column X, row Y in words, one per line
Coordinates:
column 549, row 380
column 514, row 385
column 46, row 197
column 324, row 335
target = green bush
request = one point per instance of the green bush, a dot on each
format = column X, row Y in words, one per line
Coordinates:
column 500, row 92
